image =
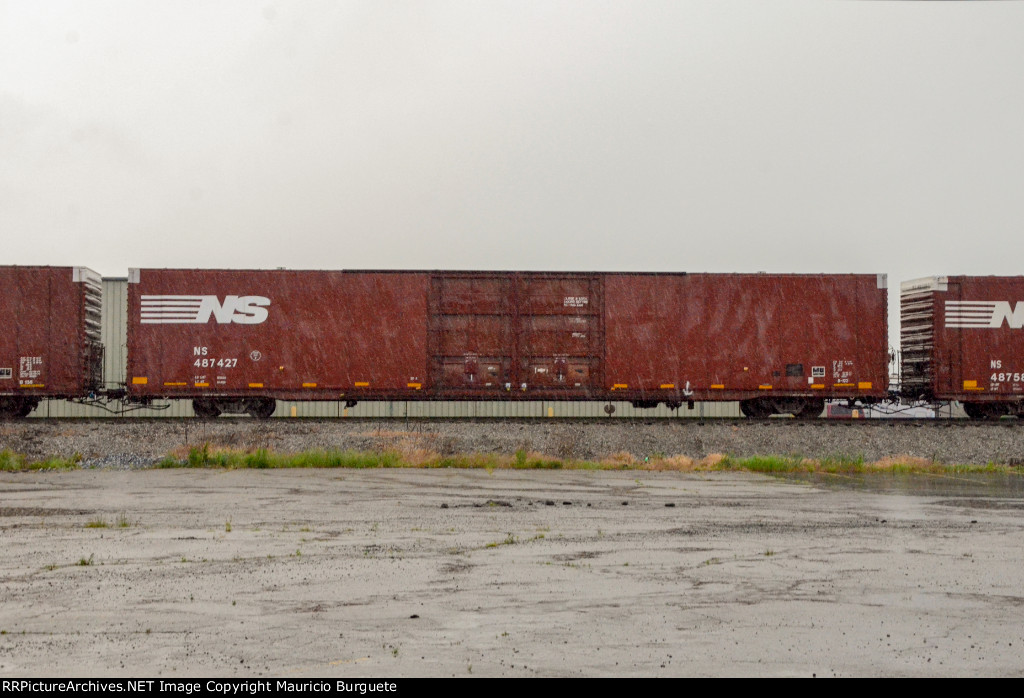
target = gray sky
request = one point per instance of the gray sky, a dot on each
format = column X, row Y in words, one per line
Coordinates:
column 727, row 135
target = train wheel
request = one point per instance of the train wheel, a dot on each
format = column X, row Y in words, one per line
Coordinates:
column 205, row 409
column 262, row 408
column 756, row 408
column 645, row 404
column 812, row 409
column 985, row 410
column 16, row 408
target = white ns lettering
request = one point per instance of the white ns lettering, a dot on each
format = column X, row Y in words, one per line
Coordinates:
column 243, row 310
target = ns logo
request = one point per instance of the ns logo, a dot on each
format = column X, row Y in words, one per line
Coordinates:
column 984, row 314
column 241, row 310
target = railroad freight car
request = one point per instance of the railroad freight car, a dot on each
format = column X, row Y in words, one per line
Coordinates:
column 236, row 341
column 49, row 336
column 962, row 338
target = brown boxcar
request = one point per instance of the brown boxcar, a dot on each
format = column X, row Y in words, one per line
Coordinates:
column 962, row 338
column 50, row 344
column 234, row 341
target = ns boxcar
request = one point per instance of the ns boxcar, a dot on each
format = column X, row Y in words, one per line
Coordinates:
column 236, row 341
column 961, row 339
column 50, row 344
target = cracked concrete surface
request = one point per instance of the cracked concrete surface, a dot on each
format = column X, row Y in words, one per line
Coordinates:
column 508, row 573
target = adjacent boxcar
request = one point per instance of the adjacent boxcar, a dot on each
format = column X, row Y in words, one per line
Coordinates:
column 962, row 338
column 234, row 341
column 50, row 344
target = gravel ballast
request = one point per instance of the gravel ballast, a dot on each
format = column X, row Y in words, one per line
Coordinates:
column 132, row 444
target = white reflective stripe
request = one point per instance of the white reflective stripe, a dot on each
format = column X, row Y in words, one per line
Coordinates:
column 978, row 314
column 171, row 298
column 164, row 321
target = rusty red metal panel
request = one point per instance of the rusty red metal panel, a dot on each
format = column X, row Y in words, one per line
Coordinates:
column 288, row 334
column 471, row 338
column 49, row 332
column 472, row 293
column 517, row 335
column 561, row 317
column 505, row 335
column 362, row 335
column 737, row 336
column 482, row 335
column 977, row 352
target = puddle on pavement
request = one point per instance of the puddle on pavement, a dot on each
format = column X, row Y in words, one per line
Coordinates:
column 967, row 485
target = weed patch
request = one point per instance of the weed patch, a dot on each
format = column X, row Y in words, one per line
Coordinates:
column 17, row 463
column 404, row 456
column 510, row 539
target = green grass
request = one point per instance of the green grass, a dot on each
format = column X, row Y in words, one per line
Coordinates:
column 17, row 463
column 831, row 464
column 799, row 464
column 510, row 539
column 206, row 457
column 762, row 464
column 840, row 464
column 209, row 456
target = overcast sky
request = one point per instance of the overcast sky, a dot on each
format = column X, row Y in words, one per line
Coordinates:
column 726, row 135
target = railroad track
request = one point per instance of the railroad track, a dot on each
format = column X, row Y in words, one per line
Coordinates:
column 740, row 422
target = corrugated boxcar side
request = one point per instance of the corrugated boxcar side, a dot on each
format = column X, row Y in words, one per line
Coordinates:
column 978, row 353
column 524, row 335
column 734, row 336
column 49, row 343
column 505, row 335
column 290, row 334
